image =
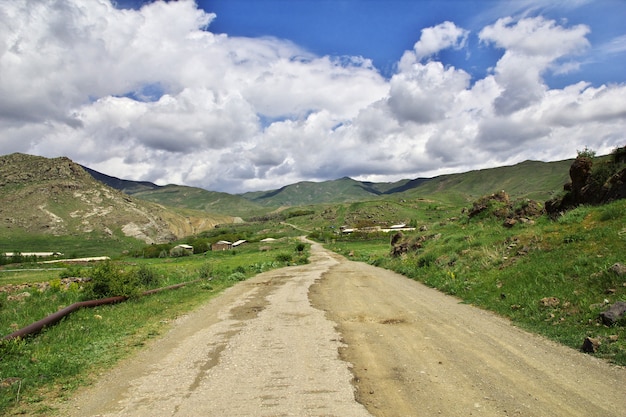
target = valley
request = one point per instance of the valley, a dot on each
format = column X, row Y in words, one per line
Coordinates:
column 480, row 237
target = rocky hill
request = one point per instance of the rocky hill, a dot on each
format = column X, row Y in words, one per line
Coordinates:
column 58, row 197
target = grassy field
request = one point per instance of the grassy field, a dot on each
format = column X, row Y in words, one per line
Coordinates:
column 70, row 246
column 62, row 357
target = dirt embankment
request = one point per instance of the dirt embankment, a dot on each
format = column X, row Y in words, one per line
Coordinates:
column 290, row 343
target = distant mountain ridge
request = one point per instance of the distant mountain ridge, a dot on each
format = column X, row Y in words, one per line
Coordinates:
column 530, row 179
column 126, row 186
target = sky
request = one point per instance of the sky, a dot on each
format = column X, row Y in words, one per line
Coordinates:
column 248, row 95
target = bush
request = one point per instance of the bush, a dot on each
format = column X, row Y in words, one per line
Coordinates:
column 283, row 257
column 110, row 280
column 153, row 251
column 236, row 276
column 147, row 276
column 205, row 271
column 71, row 272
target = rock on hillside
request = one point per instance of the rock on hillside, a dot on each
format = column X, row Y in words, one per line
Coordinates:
column 592, row 185
column 56, row 196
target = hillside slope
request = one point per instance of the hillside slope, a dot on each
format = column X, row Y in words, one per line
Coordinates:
column 307, row 192
column 181, row 196
column 528, row 179
column 58, row 197
column 200, row 199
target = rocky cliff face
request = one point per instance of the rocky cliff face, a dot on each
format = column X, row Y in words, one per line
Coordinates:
column 56, row 196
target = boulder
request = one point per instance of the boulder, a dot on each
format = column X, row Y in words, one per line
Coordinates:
column 590, row 345
column 614, row 314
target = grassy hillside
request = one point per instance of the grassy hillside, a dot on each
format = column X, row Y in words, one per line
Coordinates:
column 43, row 199
column 530, row 179
column 200, row 199
column 306, row 192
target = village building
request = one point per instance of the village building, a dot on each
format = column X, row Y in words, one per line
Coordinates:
column 222, row 245
column 181, row 250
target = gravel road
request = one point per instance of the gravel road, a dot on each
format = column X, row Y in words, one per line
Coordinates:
column 340, row 338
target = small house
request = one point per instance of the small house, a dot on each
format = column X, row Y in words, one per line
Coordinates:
column 239, row 243
column 222, row 245
column 181, row 250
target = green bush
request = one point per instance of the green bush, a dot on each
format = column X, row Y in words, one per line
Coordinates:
column 236, row 276
column 205, row 271
column 283, row 257
column 110, row 280
column 146, row 276
column 72, row 272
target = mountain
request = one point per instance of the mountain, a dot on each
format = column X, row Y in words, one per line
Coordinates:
column 57, row 197
column 126, row 186
column 181, row 196
column 529, row 179
column 201, row 199
column 306, row 192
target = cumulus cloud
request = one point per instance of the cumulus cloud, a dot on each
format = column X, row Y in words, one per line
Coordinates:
column 530, row 45
column 152, row 94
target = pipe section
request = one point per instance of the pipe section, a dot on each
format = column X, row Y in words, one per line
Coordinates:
column 54, row 318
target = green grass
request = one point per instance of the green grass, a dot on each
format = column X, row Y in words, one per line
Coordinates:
column 54, row 362
column 71, row 246
column 510, row 271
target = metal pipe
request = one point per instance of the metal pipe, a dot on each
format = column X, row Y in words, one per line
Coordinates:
column 56, row 317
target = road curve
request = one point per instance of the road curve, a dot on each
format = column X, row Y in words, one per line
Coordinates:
column 340, row 338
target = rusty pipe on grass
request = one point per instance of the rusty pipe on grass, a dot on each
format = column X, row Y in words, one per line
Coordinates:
column 54, row 318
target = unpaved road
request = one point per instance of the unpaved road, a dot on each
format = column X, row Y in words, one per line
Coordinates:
column 292, row 342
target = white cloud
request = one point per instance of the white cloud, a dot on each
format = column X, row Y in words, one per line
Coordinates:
column 152, row 94
column 434, row 39
column 443, row 36
column 531, row 45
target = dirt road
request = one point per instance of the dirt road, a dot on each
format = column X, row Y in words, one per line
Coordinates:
column 269, row 347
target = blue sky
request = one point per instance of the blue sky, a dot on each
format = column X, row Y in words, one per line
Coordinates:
column 382, row 30
column 242, row 95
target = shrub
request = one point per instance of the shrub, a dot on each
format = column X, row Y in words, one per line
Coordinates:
column 283, row 257
column 237, row 276
column 586, row 153
column 205, row 271
column 109, row 280
column 71, row 272
column 147, row 276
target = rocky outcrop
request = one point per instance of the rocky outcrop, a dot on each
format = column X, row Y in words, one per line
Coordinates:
column 589, row 185
column 500, row 206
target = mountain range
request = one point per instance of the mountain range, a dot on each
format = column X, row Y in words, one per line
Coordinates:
column 528, row 179
column 59, row 197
